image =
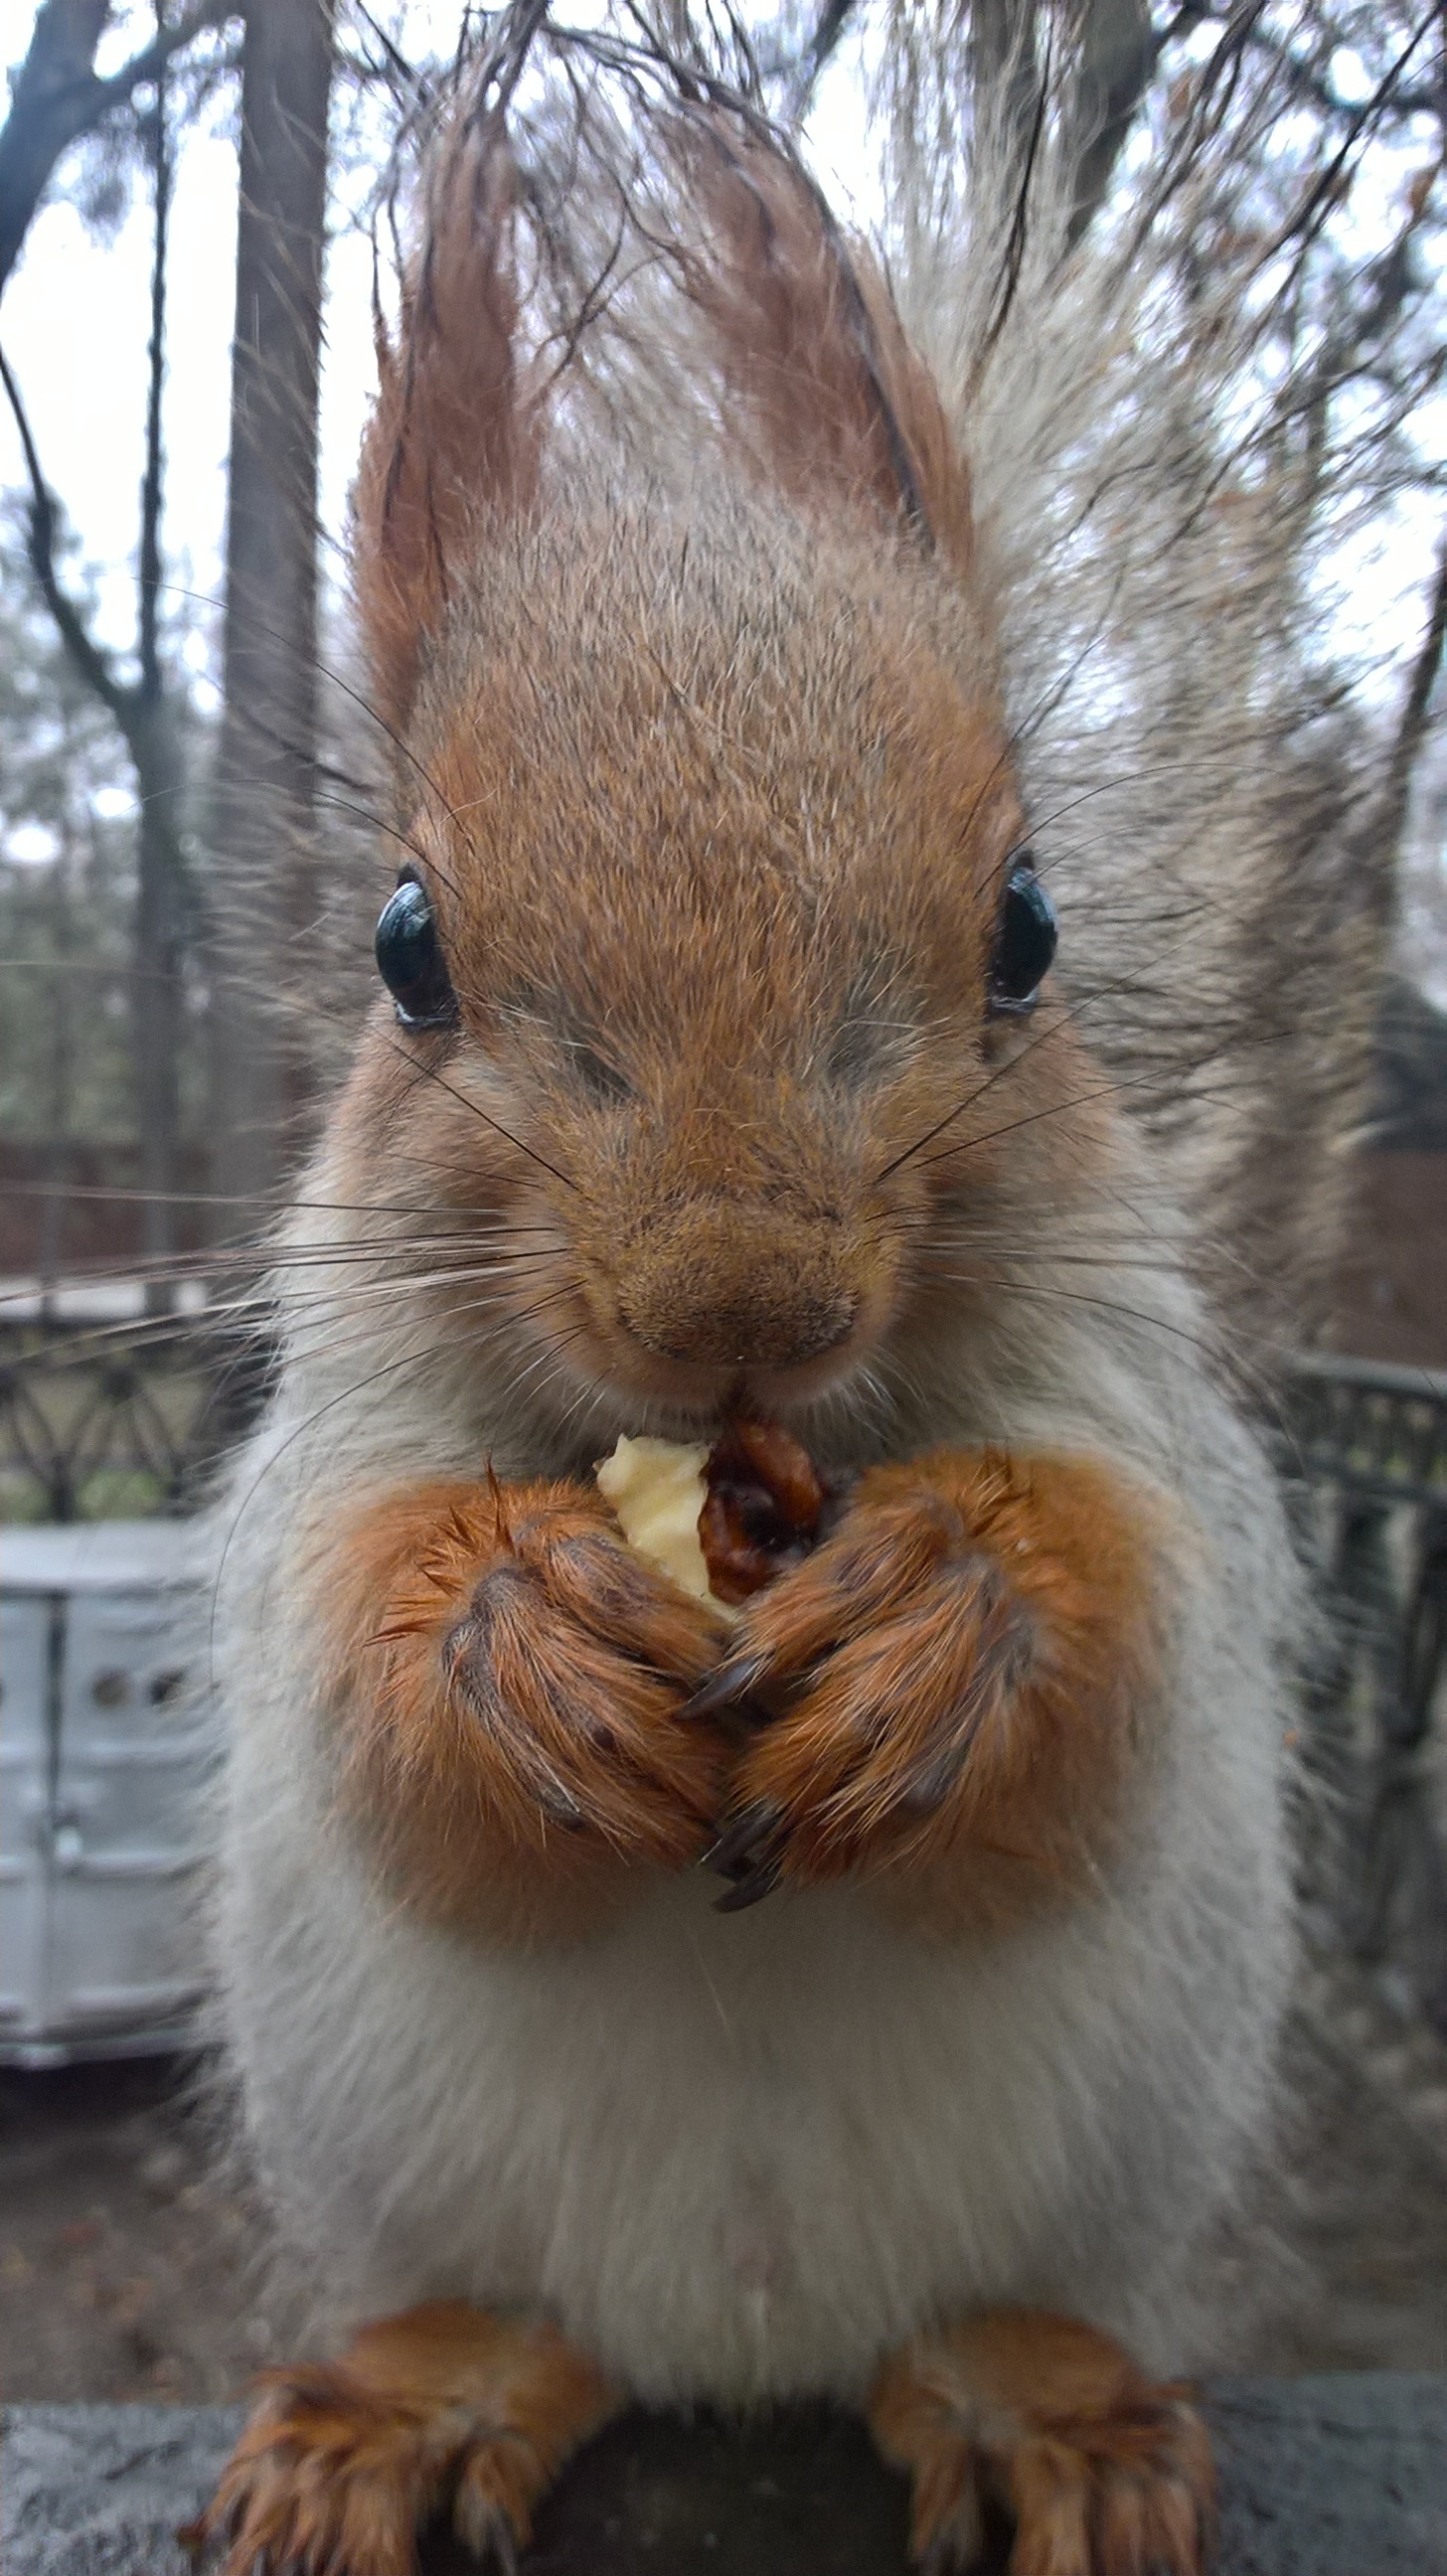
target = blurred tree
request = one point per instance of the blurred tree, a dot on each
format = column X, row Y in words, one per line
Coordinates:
column 263, row 824
column 57, row 96
column 1422, row 948
column 68, row 1072
column 144, row 709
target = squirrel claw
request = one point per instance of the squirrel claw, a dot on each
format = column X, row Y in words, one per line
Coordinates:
column 488, row 2536
column 759, row 1883
column 741, row 1844
column 730, row 1682
column 744, row 1854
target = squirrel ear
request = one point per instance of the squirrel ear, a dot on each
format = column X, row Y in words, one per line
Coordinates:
column 452, row 438
column 830, row 396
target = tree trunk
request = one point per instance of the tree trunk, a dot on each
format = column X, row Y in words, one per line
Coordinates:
column 146, row 717
column 1006, row 73
column 157, row 995
column 262, row 837
column 60, row 1087
column 1118, row 48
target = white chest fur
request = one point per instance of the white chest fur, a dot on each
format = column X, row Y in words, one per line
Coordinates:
column 739, row 2156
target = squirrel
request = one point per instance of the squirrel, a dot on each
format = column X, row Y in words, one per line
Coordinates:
column 725, row 1076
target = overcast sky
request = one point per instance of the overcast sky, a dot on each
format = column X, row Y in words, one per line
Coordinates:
column 74, row 324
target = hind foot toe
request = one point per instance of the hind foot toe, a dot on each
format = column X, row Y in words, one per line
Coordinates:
column 1102, row 2471
column 445, row 2409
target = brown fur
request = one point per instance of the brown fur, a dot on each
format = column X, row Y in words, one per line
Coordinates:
column 506, row 1680
column 1104, row 2472
column 811, row 795
column 452, row 435
column 951, row 1674
column 955, row 1674
column 445, row 2407
column 728, row 1164
column 811, row 348
column 816, row 828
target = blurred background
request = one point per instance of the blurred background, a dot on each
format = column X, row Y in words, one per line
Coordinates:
column 191, row 200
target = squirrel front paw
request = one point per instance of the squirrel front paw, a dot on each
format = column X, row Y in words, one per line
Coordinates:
column 572, row 1658
column 508, row 1681
column 957, row 1666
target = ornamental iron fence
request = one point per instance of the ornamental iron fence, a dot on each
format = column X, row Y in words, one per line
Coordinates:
column 1364, row 1447
column 116, row 1422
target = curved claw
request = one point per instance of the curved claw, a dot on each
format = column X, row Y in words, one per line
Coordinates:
column 732, row 1680
column 742, row 1844
column 486, row 2531
column 760, row 1882
column 746, row 1853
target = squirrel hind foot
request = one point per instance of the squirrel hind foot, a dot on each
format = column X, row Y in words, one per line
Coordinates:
column 444, row 2408
column 1101, row 2471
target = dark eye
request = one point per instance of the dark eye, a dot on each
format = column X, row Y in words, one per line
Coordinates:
column 1025, row 939
column 410, row 960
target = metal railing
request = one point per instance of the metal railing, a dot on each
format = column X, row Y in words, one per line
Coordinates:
column 1365, row 1448
column 131, row 1421
column 115, row 1422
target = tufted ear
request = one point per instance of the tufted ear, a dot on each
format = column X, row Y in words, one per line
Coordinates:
column 453, row 439
column 823, row 385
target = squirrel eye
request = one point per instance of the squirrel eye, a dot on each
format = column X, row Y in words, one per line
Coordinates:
column 1025, row 940
column 410, row 960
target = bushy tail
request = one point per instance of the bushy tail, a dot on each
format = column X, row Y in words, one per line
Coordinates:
column 1216, row 808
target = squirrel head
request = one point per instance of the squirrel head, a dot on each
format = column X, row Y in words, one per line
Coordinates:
column 709, row 966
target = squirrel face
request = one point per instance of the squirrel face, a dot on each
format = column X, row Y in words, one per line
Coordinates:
column 714, row 842
column 712, row 811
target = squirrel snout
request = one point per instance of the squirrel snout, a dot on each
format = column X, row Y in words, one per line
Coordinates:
column 719, row 1285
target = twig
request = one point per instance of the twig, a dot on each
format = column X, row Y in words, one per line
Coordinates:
column 92, row 662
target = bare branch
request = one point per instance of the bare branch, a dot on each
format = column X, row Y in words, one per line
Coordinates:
column 829, row 26
column 93, row 664
column 149, row 560
column 58, row 96
column 1308, row 216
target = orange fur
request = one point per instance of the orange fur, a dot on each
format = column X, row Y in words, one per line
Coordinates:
column 955, row 1674
column 717, row 806
column 453, row 436
column 826, row 394
column 775, row 730
column 747, row 1203
column 505, row 1680
column 812, row 349
column 342, row 2462
column 1105, row 2472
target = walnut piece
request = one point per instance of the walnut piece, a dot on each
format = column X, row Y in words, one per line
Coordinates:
column 719, row 1522
column 657, row 1490
column 763, row 1507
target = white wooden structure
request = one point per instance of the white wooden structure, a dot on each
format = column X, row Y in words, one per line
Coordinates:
column 107, row 1743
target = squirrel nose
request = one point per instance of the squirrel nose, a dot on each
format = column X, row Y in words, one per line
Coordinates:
column 717, row 1284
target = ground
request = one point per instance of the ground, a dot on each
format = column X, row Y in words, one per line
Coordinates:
column 128, row 2271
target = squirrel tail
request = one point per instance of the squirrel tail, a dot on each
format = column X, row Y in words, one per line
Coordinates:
column 1213, row 808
